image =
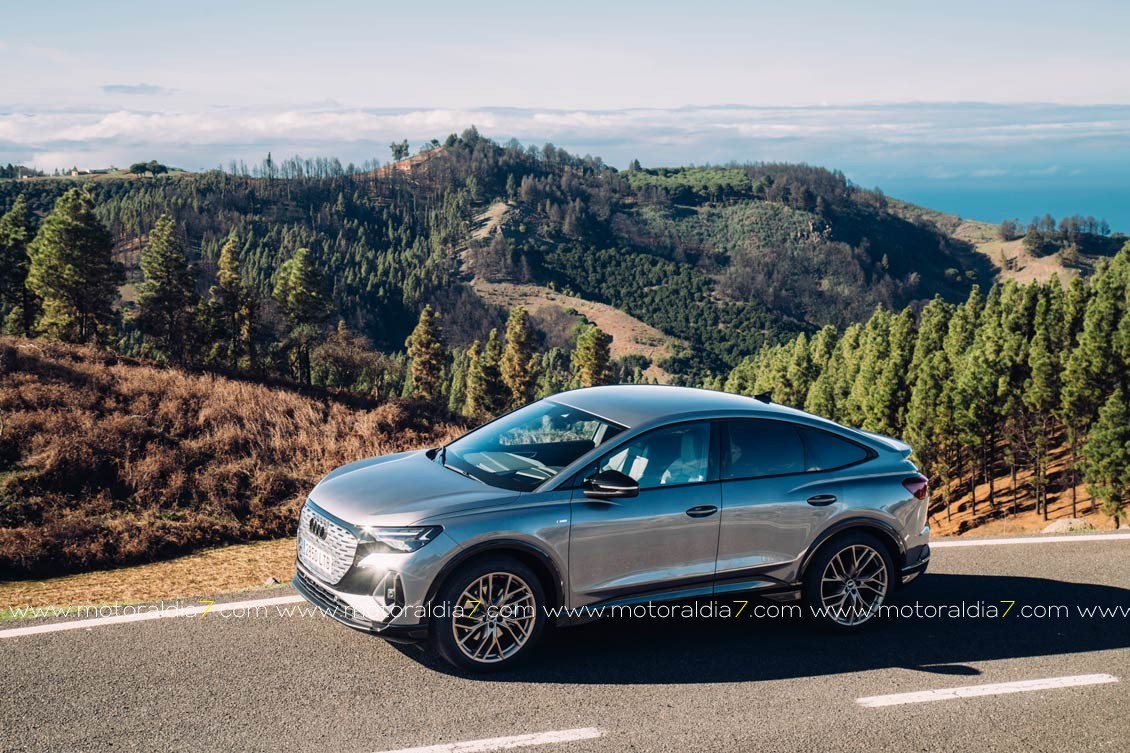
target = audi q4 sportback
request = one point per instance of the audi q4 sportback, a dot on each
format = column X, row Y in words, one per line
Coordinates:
column 612, row 496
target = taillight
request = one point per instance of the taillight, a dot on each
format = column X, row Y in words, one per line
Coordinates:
column 918, row 485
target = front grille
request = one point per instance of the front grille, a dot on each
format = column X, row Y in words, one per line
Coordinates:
column 329, row 535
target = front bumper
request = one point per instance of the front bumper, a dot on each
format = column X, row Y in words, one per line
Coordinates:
column 378, row 592
column 333, row 605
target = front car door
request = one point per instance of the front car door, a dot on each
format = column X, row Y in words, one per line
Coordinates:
column 780, row 486
column 663, row 540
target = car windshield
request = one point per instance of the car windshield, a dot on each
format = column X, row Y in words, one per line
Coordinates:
column 526, row 448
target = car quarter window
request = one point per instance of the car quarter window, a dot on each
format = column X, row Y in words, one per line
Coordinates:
column 824, row 451
column 755, row 448
column 665, row 457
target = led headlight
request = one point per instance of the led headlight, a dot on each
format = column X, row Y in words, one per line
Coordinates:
column 391, row 540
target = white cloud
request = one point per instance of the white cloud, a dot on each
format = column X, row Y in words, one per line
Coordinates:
column 940, row 140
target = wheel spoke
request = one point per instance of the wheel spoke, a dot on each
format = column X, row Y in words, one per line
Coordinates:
column 503, row 619
column 854, row 584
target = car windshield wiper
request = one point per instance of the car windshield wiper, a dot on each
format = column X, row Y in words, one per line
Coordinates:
column 460, row 471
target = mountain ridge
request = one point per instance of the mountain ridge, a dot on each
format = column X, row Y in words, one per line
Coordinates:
column 721, row 259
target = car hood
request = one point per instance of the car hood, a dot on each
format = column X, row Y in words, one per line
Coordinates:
column 400, row 489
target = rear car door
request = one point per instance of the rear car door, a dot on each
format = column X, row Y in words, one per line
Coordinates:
column 780, row 487
column 667, row 537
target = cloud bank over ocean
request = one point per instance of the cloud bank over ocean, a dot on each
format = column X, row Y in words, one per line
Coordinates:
column 919, row 149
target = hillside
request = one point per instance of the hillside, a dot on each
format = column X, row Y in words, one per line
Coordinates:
column 1064, row 255
column 107, row 461
column 722, row 259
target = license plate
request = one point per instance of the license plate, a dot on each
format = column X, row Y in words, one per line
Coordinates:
column 314, row 555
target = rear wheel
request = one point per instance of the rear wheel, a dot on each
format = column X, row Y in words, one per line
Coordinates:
column 492, row 615
column 848, row 581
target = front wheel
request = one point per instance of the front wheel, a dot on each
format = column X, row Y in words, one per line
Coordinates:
column 492, row 615
column 848, row 581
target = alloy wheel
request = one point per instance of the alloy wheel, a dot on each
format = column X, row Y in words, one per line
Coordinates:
column 494, row 617
column 854, row 585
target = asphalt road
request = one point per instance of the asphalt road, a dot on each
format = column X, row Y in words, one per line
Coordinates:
column 302, row 683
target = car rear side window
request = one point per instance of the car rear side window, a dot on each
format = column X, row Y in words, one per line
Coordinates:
column 762, row 448
column 824, row 451
column 775, row 448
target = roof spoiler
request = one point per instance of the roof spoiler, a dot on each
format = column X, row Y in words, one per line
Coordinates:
column 897, row 445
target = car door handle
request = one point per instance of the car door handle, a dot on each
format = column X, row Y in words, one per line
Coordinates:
column 820, row 500
column 702, row 511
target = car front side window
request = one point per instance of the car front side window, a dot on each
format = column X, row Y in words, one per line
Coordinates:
column 671, row 456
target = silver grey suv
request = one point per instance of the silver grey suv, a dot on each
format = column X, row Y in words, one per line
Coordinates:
column 589, row 501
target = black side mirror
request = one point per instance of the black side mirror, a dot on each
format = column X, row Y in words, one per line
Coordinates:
column 610, row 484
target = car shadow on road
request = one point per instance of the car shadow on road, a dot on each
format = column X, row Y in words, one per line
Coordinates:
column 631, row 650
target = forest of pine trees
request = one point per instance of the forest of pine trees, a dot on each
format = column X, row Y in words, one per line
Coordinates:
column 337, row 278
column 61, row 281
column 981, row 389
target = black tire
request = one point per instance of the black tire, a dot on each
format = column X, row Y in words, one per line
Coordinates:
column 857, row 612
column 507, row 626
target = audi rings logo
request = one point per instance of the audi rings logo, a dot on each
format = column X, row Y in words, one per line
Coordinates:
column 318, row 528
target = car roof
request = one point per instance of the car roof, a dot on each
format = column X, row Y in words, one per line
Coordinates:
column 632, row 405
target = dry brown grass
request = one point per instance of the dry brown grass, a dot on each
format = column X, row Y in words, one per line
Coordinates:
column 106, row 461
column 242, row 567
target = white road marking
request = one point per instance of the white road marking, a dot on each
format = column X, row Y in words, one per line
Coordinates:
column 938, row 544
column 972, row 691
column 141, row 613
column 506, row 743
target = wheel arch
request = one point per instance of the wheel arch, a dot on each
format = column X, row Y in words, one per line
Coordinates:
column 881, row 530
column 528, row 554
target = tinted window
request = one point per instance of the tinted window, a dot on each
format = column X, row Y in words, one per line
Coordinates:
column 665, row 457
column 762, row 448
column 824, row 451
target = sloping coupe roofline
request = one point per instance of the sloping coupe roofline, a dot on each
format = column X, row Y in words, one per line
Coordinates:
column 633, row 405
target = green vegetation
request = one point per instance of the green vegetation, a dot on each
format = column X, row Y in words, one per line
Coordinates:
column 425, row 353
column 16, row 232
column 72, row 272
column 166, row 300
column 591, row 359
column 988, row 385
column 519, row 368
column 350, row 281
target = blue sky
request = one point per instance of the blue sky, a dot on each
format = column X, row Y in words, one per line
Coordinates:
column 875, row 89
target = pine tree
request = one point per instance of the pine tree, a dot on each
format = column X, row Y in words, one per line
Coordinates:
column 167, row 299
column 553, row 373
column 891, row 391
column 1106, row 455
column 487, row 394
column 72, row 270
column 300, row 293
column 427, row 356
column 457, row 381
column 591, row 356
column 518, row 359
column 1041, row 396
column 300, row 290
column 1092, row 374
column 863, row 407
column 473, row 384
column 231, row 312
column 16, row 300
